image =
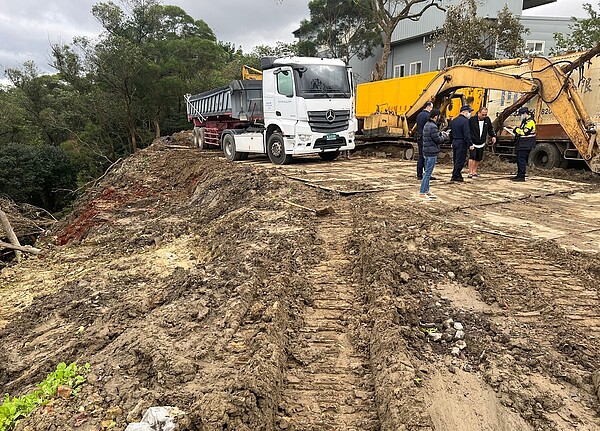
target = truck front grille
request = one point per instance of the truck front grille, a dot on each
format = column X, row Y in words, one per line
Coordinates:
column 321, row 122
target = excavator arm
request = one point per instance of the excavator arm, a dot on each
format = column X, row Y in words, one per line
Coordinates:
column 547, row 80
column 561, row 96
column 457, row 77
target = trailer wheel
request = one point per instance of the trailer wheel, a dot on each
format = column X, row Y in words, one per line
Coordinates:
column 229, row 149
column 545, row 156
column 276, row 150
column 201, row 139
column 330, row 155
column 196, row 137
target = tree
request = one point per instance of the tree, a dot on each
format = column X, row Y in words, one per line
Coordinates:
column 388, row 13
column 147, row 58
column 484, row 38
column 585, row 33
column 41, row 175
column 341, row 27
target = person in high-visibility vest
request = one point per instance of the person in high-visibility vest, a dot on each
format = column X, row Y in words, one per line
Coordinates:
column 525, row 135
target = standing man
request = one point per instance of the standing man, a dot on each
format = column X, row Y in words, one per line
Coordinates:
column 481, row 128
column 422, row 118
column 461, row 141
column 525, row 135
column 432, row 139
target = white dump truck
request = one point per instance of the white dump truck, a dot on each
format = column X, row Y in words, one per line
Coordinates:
column 301, row 106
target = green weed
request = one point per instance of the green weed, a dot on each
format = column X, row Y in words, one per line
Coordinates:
column 15, row 408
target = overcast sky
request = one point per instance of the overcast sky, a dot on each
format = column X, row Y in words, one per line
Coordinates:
column 29, row 27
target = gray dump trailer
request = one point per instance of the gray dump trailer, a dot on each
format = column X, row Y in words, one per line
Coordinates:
column 235, row 106
column 240, row 100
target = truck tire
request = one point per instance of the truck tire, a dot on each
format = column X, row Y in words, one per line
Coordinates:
column 199, row 139
column 330, row 155
column 545, row 156
column 276, row 150
column 229, row 150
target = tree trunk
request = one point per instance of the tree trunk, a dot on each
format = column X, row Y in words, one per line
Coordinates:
column 26, row 248
column 10, row 234
column 381, row 65
column 131, row 126
column 156, row 128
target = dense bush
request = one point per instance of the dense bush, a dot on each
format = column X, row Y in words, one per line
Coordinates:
column 41, row 175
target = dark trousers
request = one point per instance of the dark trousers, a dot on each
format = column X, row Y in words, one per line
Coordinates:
column 522, row 156
column 421, row 159
column 459, row 156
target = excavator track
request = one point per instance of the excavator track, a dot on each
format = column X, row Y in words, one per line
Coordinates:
column 328, row 383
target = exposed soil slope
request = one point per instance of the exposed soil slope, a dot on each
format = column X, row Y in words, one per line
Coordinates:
column 188, row 281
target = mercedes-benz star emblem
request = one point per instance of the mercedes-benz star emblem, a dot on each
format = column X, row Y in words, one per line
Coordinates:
column 330, row 116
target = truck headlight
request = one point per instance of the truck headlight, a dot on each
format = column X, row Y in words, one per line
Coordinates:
column 303, row 138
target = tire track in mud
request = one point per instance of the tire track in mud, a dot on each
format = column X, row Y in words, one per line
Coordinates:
column 562, row 288
column 328, row 383
column 560, row 304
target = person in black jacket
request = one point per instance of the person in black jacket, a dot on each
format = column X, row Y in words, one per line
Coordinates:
column 432, row 138
column 461, row 141
column 422, row 118
column 481, row 128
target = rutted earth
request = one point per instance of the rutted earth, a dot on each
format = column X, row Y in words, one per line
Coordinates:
column 188, row 281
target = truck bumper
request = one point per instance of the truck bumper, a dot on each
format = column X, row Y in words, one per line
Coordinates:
column 311, row 143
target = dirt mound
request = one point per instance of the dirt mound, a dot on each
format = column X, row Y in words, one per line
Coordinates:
column 188, row 281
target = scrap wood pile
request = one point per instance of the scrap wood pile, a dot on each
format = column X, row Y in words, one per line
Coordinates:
column 20, row 226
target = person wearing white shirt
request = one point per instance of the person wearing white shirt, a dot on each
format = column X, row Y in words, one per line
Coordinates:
column 481, row 129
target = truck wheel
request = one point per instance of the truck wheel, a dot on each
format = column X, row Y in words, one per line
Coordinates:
column 330, row 155
column 545, row 156
column 201, row 139
column 196, row 135
column 276, row 150
column 229, row 149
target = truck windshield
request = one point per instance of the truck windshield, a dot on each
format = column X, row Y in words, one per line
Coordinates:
column 315, row 81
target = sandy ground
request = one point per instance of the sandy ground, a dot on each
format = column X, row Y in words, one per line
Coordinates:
column 188, row 281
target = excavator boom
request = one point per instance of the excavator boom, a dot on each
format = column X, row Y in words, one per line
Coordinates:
column 546, row 80
column 468, row 76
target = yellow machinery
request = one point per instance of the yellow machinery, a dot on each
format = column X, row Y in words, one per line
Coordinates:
column 251, row 73
column 566, row 130
column 381, row 105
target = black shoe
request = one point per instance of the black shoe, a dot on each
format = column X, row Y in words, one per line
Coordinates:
column 458, row 180
column 518, row 179
column 420, row 178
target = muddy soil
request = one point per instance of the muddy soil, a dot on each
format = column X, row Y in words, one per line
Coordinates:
column 214, row 287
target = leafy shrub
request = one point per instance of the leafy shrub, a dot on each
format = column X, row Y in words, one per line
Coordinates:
column 17, row 408
column 41, row 175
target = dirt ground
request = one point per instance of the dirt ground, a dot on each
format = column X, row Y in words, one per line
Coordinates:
column 215, row 287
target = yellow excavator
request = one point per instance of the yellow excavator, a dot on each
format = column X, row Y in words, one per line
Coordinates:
column 547, row 80
column 251, row 73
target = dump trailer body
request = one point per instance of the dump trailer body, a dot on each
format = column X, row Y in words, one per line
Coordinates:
column 240, row 100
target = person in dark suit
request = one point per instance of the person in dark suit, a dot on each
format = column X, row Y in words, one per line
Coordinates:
column 481, row 129
column 461, row 141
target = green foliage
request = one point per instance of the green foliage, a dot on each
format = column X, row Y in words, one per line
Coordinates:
column 110, row 96
column 41, row 175
column 585, row 33
column 15, row 408
column 469, row 36
column 345, row 27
